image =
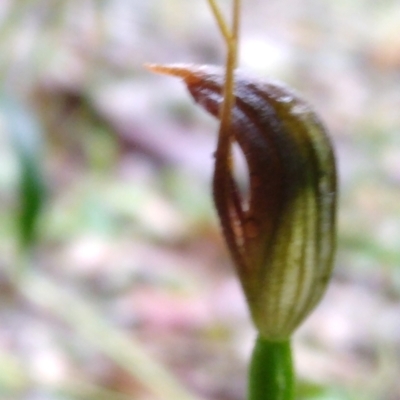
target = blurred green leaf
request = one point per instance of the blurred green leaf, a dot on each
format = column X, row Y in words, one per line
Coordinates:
column 26, row 137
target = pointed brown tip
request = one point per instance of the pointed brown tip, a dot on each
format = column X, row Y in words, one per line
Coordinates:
column 190, row 73
column 179, row 70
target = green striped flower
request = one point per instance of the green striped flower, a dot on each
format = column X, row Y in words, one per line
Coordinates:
column 282, row 238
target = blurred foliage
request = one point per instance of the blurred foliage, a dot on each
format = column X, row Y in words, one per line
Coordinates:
column 118, row 162
column 26, row 138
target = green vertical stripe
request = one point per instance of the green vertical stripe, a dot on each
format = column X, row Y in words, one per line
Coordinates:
column 271, row 371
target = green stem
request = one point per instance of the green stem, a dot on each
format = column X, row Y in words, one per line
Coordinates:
column 271, row 371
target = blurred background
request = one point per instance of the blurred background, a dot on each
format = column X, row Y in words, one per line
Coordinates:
column 114, row 280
